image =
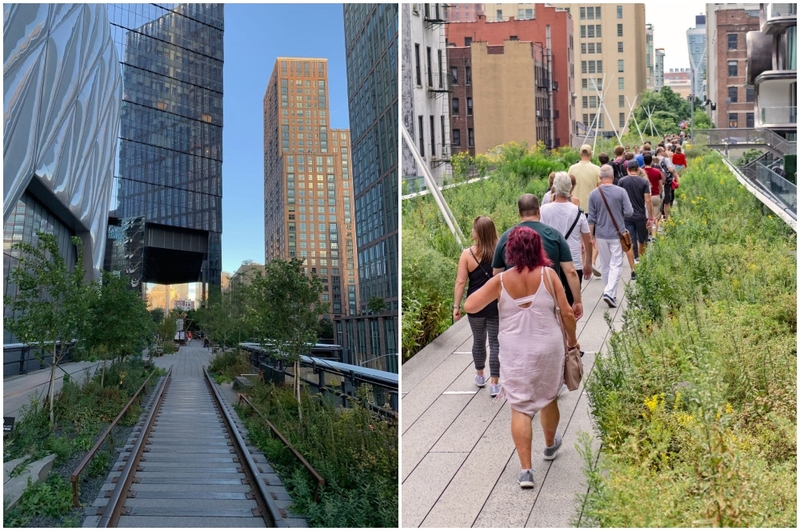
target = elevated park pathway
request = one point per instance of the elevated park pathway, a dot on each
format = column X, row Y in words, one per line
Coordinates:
column 459, row 464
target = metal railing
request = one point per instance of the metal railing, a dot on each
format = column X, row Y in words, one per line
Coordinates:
column 778, row 115
column 745, row 138
column 778, row 187
column 19, row 358
column 314, row 373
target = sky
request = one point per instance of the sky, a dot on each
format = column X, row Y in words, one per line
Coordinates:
column 670, row 21
column 255, row 35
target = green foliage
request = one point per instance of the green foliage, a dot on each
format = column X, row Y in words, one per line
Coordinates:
column 702, row 120
column 325, row 328
column 157, row 314
column 376, row 304
column 749, row 156
column 695, row 400
column 51, row 498
column 354, row 451
column 51, row 302
column 668, row 110
column 119, row 323
column 430, row 252
column 228, row 365
column 227, row 319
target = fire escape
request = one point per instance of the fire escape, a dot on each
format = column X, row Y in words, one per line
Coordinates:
column 435, row 17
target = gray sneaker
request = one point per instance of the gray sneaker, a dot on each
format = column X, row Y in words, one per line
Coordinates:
column 480, row 380
column 551, row 451
column 494, row 390
column 526, row 479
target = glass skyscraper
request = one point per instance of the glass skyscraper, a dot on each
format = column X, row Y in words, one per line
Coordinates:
column 170, row 145
column 371, row 50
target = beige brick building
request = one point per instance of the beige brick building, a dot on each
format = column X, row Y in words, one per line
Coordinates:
column 308, row 191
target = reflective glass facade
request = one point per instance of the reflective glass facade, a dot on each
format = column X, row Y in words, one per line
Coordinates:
column 170, row 144
column 371, row 53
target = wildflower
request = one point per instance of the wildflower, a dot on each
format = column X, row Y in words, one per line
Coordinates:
column 728, row 408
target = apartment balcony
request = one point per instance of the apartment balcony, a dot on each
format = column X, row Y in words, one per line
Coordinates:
column 775, row 100
column 775, row 18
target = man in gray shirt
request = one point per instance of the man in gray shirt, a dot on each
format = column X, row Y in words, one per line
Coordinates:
column 606, row 235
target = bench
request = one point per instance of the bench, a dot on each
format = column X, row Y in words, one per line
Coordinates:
column 241, row 382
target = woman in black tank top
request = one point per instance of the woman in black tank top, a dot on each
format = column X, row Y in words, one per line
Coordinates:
column 475, row 266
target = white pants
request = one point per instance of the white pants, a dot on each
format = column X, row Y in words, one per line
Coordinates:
column 611, row 254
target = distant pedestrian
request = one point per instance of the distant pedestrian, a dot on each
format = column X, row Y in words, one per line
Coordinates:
column 475, row 266
column 587, row 175
column 679, row 159
column 548, row 195
column 639, row 222
column 656, row 178
column 531, row 342
column 606, row 236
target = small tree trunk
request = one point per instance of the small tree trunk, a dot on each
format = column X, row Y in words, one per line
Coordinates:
column 297, row 387
column 52, row 384
column 103, row 374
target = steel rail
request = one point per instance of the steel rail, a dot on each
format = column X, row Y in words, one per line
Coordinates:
column 113, row 510
column 269, row 509
column 88, row 457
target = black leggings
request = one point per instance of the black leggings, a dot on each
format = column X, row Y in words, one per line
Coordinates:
column 481, row 327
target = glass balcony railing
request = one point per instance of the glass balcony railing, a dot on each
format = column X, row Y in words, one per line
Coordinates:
column 778, row 115
column 775, row 17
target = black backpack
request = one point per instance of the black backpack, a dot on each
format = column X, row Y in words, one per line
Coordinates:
column 667, row 174
column 620, row 170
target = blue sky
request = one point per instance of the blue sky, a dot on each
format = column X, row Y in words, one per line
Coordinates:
column 255, row 35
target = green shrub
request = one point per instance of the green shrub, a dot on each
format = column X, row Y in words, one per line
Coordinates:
column 695, row 399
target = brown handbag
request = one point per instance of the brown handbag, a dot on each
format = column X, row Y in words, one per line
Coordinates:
column 624, row 235
column 573, row 364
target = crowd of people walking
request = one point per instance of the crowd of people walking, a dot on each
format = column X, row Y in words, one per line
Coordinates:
column 590, row 218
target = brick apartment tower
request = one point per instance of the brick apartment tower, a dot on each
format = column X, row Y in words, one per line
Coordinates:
column 308, row 181
column 546, row 21
column 735, row 102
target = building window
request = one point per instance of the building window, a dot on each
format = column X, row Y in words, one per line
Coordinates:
column 622, row 119
column 733, row 68
column 583, row 67
column 733, row 120
column 469, row 106
column 598, row 31
column 622, row 101
column 455, row 106
column 499, row 14
column 599, row 47
column 733, row 43
column 454, row 75
column 590, row 13
column 749, row 94
column 583, row 13
column 529, row 14
column 468, row 75
column 586, row 102
column 621, row 82
column 599, row 67
column 619, row 47
column 750, row 120
column 584, row 83
column 457, row 137
column 433, row 138
column 470, row 137
column 590, row 47
column 619, row 30
column 621, row 65
column 733, row 94
column 444, row 151
column 441, row 81
column 419, row 68
column 513, row 38
column 583, row 31
column 467, row 41
column 591, row 67
column 430, row 68
column 591, row 32
column 619, row 12
column 421, row 138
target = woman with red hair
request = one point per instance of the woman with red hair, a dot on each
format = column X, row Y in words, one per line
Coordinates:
column 531, row 344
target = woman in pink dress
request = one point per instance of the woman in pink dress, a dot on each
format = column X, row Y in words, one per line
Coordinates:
column 531, row 343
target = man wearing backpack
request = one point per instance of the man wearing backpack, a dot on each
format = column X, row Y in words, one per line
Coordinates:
column 669, row 175
column 618, row 164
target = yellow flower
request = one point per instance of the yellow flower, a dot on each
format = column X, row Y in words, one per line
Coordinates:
column 728, row 408
column 651, row 403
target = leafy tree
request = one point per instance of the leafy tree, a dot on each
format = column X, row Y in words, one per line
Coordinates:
column 668, row 110
column 119, row 322
column 376, row 304
column 157, row 314
column 51, row 302
column 286, row 310
column 702, row 120
column 325, row 329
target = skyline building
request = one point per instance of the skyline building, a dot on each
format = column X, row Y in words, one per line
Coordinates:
column 698, row 55
column 371, row 52
column 426, row 87
column 308, row 181
column 658, row 69
column 546, row 108
column 651, row 57
column 170, row 141
column 62, row 94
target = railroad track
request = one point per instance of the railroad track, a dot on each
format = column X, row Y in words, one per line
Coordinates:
column 189, row 466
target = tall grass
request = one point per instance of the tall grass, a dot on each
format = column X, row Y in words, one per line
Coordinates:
column 695, row 399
